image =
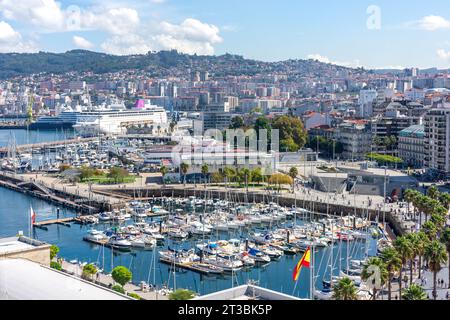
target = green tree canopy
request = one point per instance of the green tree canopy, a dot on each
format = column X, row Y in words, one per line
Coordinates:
column 182, row 294
column 121, row 275
column 293, row 135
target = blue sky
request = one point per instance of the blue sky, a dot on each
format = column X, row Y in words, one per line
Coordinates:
column 411, row 33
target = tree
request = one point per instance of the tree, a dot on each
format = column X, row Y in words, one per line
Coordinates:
column 406, row 253
column 293, row 173
column 205, row 171
column 182, row 294
column 244, row 176
column 86, row 173
column 121, row 275
column 262, row 123
column 229, row 173
column 293, row 135
column 184, row 167
column 408, row 196
column 257, row 175
column 435, row 255
column 134, row 296
column 54, row 250
column 393, row 263
column 280, row 179
column 419, row 245
column 415, row 292
column 375, row 267
column 118, row 288
column 55, row 265
column 216, row 177
column 445, row 239
column 89, row 271
column 444, row 199
column 433, row 193
column 345, row 289
column 237, row 123
column 430, row 230
column 163, row 171
column 118, row 174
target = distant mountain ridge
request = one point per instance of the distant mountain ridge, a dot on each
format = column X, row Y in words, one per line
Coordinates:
column 155, row 63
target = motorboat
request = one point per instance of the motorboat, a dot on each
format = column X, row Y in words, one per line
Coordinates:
column 119, row 242
column 96, row 236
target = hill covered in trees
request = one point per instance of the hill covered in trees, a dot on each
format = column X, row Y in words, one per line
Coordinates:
column 161, row 63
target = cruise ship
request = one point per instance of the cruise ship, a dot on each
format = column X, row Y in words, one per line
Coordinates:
column 115, row 118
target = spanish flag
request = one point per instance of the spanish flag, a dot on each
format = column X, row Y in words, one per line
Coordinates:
column 304, row 262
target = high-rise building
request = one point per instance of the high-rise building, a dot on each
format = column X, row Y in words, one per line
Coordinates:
column 437, row 142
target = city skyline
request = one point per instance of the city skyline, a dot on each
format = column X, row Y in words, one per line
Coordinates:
column 373, row 34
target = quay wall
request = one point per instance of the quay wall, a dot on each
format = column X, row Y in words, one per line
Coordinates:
column 58, row 197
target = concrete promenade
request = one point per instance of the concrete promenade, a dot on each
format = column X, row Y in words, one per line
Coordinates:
column 107, row 281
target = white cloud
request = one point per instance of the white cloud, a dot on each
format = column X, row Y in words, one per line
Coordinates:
column 444, row 55
column 193, row 30
column 45, row 14
column 11, row 40
column 115, row 21
column 430, row 23
column 325, row 59
column 191, row 36
column 126, row 45
column 82, row 43
column 126, row 33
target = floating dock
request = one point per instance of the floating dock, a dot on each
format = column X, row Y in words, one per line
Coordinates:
column 190, row 266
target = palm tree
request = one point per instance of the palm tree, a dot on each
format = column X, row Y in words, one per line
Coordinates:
column 430, row 230
column 433, row 193
column 393, row 263
column 245, row 176
column 422, row 241
column 228, row 173
column 414, row 239
column 444, row 199
column 435, row 255
column 406, row 253
column 345, row 289
column 163, row 171
column 409, row 196
column 293, row 173
column 445, row 239
column 205, row 171
column 375, row 267
column 415, row 292
column 184, row 167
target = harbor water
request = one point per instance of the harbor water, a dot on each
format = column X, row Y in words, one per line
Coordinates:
column 277, row 275
column 144, row 264
column 22, row 137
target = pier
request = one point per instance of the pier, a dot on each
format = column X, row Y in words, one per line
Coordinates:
column 64, row 197
column 44, row 145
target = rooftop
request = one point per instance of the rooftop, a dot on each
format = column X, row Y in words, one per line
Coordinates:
column 18, row 244
column 25, row 280
column 247, row 292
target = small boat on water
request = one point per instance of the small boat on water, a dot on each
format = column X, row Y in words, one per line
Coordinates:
column 119, row 242
column 96, row 236
column 258, row 256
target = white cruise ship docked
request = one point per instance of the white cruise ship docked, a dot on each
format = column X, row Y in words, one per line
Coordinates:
column 115, row 118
